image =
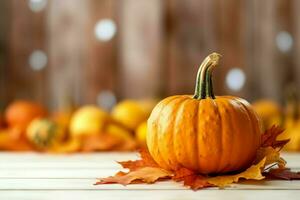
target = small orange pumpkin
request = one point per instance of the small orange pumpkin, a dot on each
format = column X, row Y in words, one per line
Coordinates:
column 20, row 113
column 205, row 133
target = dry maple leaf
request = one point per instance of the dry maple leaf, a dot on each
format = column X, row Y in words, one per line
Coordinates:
column 285, row 174
column 146, row 174
column 190, row 179
column 254, row 172
column 145, row 161
column 268, row 139
column 272, row 157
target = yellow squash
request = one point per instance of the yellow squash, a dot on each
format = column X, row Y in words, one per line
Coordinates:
column 141, row 134
column 88, row 120
column 130, row 113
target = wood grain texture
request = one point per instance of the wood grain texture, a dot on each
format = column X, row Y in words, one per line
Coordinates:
column 141, row 40
column 4, row 27
column 156, row 51
column 151, row 194
column 67, row 33
column 295, row 5
column 32, row 176
column 264, row 68
column 99, row 70
column 26, row 35
column 192, row 34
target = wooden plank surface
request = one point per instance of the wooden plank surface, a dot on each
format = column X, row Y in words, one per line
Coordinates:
column 34, row 175
column 148, row 194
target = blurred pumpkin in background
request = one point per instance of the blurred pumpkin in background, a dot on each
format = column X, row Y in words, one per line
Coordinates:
column 292, row 132
column 44, row 133
column 8, row 142
column 20, row 113
column 292, row 122
column 93, row 129
column 141, row 134
column 269, row 112
column 131, row 113
column 88, row 120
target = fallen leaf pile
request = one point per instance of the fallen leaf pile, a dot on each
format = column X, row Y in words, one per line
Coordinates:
column 267, row 164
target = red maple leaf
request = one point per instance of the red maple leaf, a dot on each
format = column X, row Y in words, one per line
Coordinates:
column 190, row 179
column 285, row 174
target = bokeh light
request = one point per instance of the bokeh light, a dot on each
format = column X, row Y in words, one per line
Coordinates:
column 106, row 99
column 235, row 79
column 284, row 41
column 105, row 29
column 38, row 60
column 37, row 5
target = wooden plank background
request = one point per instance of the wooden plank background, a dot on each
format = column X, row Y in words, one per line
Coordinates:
column 155, row 52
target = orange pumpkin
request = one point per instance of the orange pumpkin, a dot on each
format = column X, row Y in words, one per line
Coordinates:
column 19, row 114
column 205, row 133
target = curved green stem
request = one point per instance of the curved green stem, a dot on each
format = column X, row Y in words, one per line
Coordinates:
column 204, row 86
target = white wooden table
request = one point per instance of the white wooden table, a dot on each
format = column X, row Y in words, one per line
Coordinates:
column 43, row 177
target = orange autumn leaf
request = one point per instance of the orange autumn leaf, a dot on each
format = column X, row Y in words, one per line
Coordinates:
column 145, row 174
column 272, row 157
column 254, row 173
column 269, row 138
column 190, row 179
column 145, row 161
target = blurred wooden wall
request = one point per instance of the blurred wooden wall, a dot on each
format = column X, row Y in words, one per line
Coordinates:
column 156, row 51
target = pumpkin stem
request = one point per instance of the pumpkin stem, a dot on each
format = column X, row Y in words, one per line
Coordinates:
column 204, row 86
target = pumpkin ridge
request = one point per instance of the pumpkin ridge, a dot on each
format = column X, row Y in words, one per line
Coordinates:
column 221, row 136
column 161, row 158
column 170, row 160
column 253, row 118
column 156, row 138
column 179, row 112
column 250, row 120
column 235, row 126
column 231, row 135
column 197, row 132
